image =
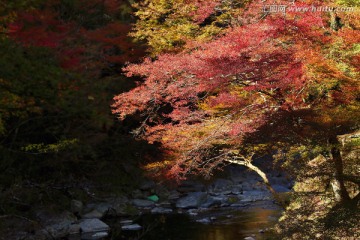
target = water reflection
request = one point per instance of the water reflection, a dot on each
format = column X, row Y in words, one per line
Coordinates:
column 228, row 225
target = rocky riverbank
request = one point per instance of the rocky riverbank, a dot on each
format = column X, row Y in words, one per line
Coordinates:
column 240, row 190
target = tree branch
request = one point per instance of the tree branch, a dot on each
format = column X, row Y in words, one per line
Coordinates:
column 246, row 161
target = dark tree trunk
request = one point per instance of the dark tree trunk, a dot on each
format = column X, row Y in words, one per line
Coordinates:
column 341, row 194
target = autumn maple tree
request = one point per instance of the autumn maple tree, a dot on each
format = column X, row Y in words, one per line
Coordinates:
column 211, row 102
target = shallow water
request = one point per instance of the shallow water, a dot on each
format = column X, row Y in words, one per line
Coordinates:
column 229, row 224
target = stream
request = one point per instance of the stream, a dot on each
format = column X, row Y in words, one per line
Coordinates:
column 221, row 224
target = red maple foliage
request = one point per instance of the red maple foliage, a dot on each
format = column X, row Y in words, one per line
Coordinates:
column 203, row 9
column 77, row 46
column 201, row 103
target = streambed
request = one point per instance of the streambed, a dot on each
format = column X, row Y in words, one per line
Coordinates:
column 220, row 224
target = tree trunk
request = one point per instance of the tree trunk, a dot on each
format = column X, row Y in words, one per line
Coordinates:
column 338, row 186
column 247, row 163
column 262, row 175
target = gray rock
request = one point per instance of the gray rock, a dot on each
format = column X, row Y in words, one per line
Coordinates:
column 58, row 226
column 132, row 227
column 103, row 207
column 226, row 192
column 248, row 199
column 76, row 206
column 100, row 235
column 161, row 210
column 142, row 203
column 93, row 225
column 255, row 195
column 58, row 230
column 212, row 202
column 99, row 210
column 94, row 236
column 192, row 200
column 93, row 214
column 237, row 189
column 220, row 200
column 215, row 193
column 225, row 204
column 126, row 222
column 239, row 205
